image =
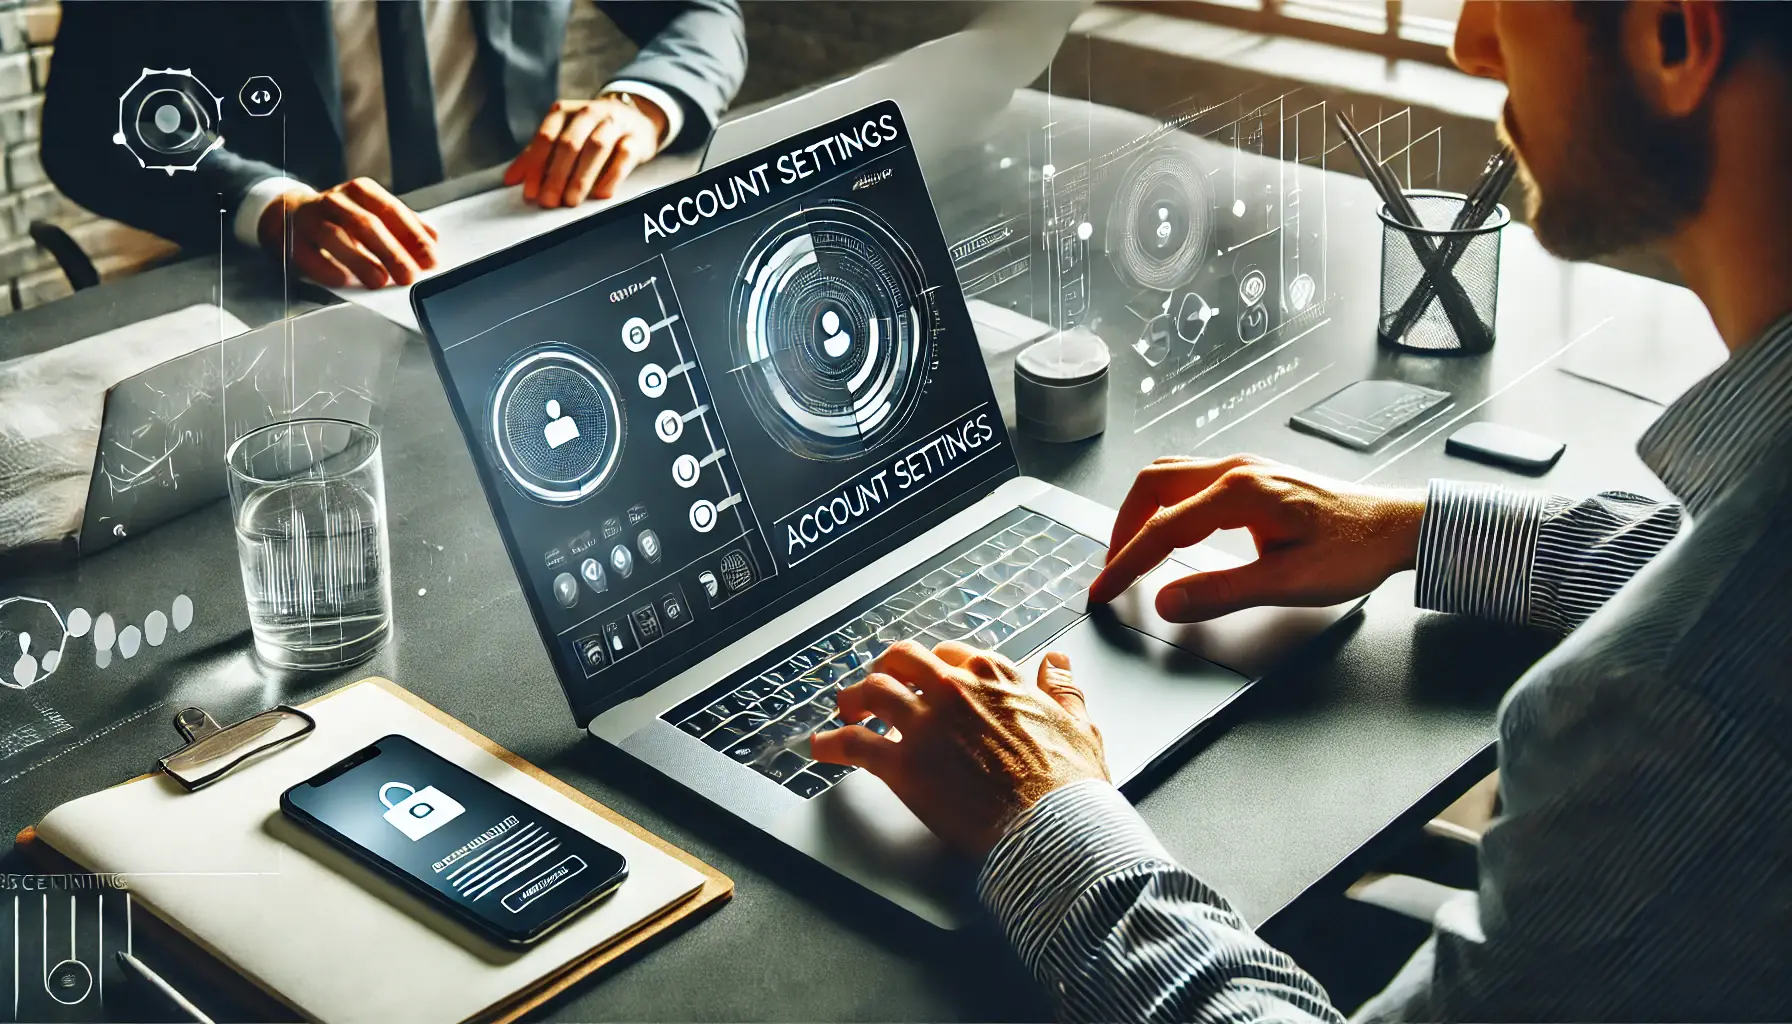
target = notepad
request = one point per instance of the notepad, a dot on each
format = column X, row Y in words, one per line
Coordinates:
column 324, row 933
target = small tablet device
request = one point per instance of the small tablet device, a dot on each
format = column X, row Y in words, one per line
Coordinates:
column 1505, row 446
column 1363, row 413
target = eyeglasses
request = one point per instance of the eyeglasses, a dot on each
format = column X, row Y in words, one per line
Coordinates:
column 213, row 751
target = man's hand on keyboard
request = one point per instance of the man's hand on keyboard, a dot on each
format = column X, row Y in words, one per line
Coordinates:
column 1319, row 541
column 974, row 743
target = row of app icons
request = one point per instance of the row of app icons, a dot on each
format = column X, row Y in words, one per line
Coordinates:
column 578, row 555
column 641, row 625
column 721, row 577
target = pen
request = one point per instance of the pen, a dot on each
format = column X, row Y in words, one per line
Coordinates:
column 1481, row 202
column 166, row 989
column 1449, row 290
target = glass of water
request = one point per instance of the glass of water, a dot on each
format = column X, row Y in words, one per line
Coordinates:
column 309, row 502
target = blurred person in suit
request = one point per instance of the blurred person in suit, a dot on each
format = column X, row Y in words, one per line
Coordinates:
column 374, row 99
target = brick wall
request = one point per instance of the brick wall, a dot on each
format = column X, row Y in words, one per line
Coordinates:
column 791, row 43
column 29, row 275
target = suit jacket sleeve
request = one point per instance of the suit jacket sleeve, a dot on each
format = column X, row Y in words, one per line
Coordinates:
column 94, row 47
column 694, row 49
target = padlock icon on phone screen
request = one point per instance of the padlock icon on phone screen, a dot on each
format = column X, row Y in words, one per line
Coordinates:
column 421, row 811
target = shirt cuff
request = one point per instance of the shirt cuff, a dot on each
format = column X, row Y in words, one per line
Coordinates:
column 261, row 195
column 660, row 98
column 1053, row 853
column 1477, row 546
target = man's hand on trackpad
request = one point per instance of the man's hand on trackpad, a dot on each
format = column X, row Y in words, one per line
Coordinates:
column 974, row 743
column 1319, row 541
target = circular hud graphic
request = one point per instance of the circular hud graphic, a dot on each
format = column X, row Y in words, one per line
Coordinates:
column 168, row 120
column 556, row 424
column 834, row 330
column 1162, row 219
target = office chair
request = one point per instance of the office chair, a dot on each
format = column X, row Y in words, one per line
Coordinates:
column 75, row 265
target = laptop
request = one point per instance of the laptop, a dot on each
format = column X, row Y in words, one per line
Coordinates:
column 950, row 87
column 738, row 437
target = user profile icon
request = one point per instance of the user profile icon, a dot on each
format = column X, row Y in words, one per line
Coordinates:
column 560, row 428
column 555, row 424
column 836, row 341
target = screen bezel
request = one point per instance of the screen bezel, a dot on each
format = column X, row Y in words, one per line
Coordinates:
column 497, row 932
column 947, row 504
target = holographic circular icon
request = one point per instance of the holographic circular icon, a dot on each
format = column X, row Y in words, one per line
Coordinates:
column 1251, row 286
column 1300, row 292
column 168, row 120
column 1154, row 344
column 703, row 515
column 1161, row 219
column 33, row 639
column 652, row 380
column 556, row 424
column 668, row 425
column 686, row 469
column 69, row 982
column 637, row 334
column 260, row 96
column 1253, row 324
column 1192, row 317
column 834, row 328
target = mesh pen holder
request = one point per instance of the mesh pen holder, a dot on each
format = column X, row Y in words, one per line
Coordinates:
column 1452, row 313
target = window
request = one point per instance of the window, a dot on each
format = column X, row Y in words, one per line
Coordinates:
column 1409, row 29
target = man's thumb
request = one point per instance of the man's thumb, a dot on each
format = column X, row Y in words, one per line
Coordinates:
column 1055, row 680
column 1208, row 595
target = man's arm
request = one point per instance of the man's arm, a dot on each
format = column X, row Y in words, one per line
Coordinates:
column 1012, row 769
column 695, row 50
column 1116, row 930
column 1532, row 558
column 93, row 45
column 1481, row 549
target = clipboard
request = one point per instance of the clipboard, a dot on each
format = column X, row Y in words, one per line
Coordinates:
column 712, row 888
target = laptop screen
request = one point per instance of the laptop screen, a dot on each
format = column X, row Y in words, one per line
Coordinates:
column 699, row 407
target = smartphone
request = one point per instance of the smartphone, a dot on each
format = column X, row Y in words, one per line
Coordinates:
column 480, row 855
column 1504, row 446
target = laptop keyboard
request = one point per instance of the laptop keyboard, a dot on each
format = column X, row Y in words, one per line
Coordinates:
column 1010, row 587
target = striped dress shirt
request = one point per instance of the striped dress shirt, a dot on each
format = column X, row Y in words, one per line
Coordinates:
column 1641, row 867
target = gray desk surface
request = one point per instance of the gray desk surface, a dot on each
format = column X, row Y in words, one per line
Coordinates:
column 1381, row 726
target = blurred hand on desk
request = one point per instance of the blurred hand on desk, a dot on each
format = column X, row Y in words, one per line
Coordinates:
column 1319, row 541
column 355, row 233
column 585, row 148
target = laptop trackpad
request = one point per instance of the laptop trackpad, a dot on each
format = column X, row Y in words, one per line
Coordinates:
column 1143, row 693
column 1252, row 642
